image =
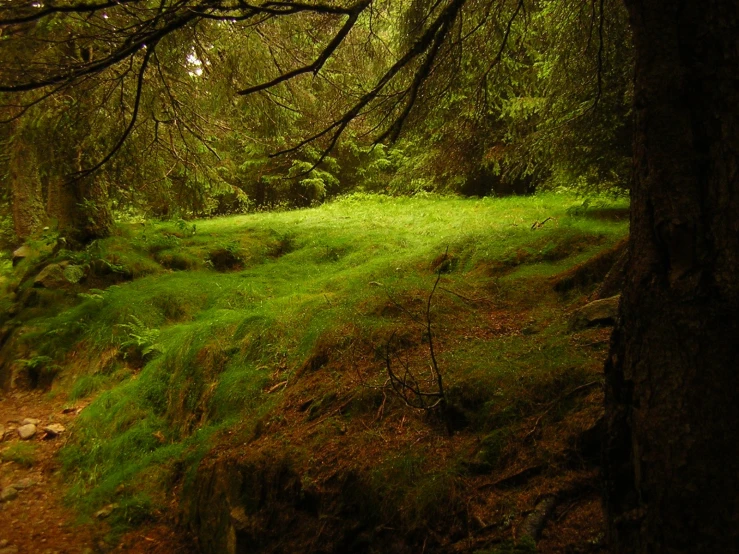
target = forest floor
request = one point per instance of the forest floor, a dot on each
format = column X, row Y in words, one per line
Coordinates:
column 36, row 519
column 173, row 352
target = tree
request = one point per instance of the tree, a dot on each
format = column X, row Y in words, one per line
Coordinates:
column 672, row 404
column 25, row 184
column 672, row 459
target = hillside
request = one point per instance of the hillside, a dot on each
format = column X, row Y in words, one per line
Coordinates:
column 243, row 378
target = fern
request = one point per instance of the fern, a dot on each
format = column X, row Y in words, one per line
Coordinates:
column 140, row 338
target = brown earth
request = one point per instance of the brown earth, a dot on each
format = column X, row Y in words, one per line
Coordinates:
column 37, row 521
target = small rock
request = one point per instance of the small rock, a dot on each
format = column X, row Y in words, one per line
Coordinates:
column 535, row 522
column 8, row 493
column 54, row 430
column 20, row 254
column 3, row 543
column 30, row 421
column 24, row 483
column 74, row 273
column 600, row 312
column 27, row 431
column 106, row 511
column 51, row 277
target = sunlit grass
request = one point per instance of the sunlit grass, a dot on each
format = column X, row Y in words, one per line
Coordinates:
column 199, row 348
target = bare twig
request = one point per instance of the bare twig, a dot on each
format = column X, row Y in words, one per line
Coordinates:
column 407, row 385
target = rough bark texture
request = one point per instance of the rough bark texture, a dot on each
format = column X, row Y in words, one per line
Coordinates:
column 27, row 202
column 80, row 207
column 60, row 201
column 672, row 400
column 83, row 211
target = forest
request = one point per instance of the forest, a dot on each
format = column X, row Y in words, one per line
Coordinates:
column 373, row 276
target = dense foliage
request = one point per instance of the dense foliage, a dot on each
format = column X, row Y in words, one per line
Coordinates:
column 490, row 98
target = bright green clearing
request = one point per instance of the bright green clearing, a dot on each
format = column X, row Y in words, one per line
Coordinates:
column 184, row 351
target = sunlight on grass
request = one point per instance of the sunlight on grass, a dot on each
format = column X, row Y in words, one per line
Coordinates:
column 217, row 322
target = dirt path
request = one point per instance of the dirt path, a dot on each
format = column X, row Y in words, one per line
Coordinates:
column 33, row 516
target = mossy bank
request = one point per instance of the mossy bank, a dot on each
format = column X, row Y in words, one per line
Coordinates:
column 240, row 369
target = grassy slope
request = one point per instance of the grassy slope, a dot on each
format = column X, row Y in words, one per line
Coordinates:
column 284, row 350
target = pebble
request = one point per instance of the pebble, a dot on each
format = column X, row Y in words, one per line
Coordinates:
column 24, row 483
column 54, row 429
column 30, row 421
column 26, row 431
column 8, row 493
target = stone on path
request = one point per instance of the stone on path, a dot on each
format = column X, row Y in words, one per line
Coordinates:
column 8, row 493
column 30, row 421
column 24, row 483
column 54, row 430
column 27, row 431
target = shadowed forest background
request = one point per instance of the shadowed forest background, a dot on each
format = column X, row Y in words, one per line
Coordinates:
column 334, row 277
column 519, row 99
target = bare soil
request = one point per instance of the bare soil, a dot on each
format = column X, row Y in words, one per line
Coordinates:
column 37, row 521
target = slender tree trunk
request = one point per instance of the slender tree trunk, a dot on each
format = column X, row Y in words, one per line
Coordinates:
column 27, row 193
column 672, row 396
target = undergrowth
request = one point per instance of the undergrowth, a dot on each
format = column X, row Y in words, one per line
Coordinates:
column 186, row 335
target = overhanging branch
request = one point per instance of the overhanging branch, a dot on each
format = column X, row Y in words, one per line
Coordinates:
column 327, row 52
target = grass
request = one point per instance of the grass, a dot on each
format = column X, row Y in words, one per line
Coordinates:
column 21, row 453
column 182, row 348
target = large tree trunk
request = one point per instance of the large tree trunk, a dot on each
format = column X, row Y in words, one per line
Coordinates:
column 80, row 206
column 27, row 194
column 672, row 381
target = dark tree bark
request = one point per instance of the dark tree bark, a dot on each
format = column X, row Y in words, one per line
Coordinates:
column 81, row 209
column 27, row 192
column 672, row 394
column 79, row 206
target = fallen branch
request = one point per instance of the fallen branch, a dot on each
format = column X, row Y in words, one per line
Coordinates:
column 540, row 224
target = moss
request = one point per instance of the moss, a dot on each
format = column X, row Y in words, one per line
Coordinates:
column 21, row 453
column 309, row 298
